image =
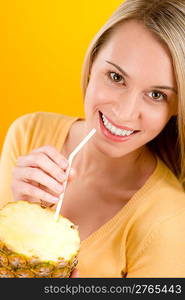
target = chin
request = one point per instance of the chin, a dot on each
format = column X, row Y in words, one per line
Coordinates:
column 111, row 153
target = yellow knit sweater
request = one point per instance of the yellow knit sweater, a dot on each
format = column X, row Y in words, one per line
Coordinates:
column 146, row 238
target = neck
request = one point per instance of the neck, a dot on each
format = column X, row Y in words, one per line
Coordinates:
column 92, row 163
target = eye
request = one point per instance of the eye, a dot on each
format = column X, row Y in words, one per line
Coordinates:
column 115, row 77
column 158, row 96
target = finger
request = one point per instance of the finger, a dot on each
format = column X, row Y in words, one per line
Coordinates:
column 34, row 193
column 46, row 189
column 29, row 199
column 42, row 161
column 53, row 154
column 34, row 174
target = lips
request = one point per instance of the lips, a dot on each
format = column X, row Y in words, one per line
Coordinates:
column 118, row 126
column 112, row 137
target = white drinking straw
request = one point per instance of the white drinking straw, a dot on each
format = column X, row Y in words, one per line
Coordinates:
column 70, row 159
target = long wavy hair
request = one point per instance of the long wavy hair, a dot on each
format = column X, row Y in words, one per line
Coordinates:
column 166, row 20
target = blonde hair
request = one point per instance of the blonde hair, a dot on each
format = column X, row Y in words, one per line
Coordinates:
column 166, row 20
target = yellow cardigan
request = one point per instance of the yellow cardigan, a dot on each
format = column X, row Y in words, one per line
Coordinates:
column 146, row 238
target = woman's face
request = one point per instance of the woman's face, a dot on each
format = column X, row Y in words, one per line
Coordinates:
column 131, row 93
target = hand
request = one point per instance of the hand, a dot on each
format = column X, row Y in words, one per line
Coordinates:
column 39, row 176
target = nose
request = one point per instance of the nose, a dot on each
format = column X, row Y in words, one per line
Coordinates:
column 128, row 106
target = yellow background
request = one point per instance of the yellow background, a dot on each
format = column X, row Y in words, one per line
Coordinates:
column 43, row 43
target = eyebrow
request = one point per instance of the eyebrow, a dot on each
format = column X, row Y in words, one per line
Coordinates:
column 165, row 88
column 118, row 67
column 155, row 87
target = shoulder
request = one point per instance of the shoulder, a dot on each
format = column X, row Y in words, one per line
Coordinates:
column 36, row 129
column 40, row 118
column 166, row 198
column 40, row 122
column 161, row 210
column 161, row 251
column 166, row 195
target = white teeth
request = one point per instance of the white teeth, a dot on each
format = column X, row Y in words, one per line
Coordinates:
column 118, row 131
column 115, row 130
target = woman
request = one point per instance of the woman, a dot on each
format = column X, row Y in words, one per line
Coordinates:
column 126, row 193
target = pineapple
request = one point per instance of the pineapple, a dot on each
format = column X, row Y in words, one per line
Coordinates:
column 33, row 244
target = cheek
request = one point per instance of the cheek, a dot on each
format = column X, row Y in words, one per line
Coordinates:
column 154, row 122
column 92, row 94
column 98, row 93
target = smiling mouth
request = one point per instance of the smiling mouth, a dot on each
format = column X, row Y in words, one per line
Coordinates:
column 118, row 132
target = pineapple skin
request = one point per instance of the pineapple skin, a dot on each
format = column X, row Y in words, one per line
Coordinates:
column 14, row 265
